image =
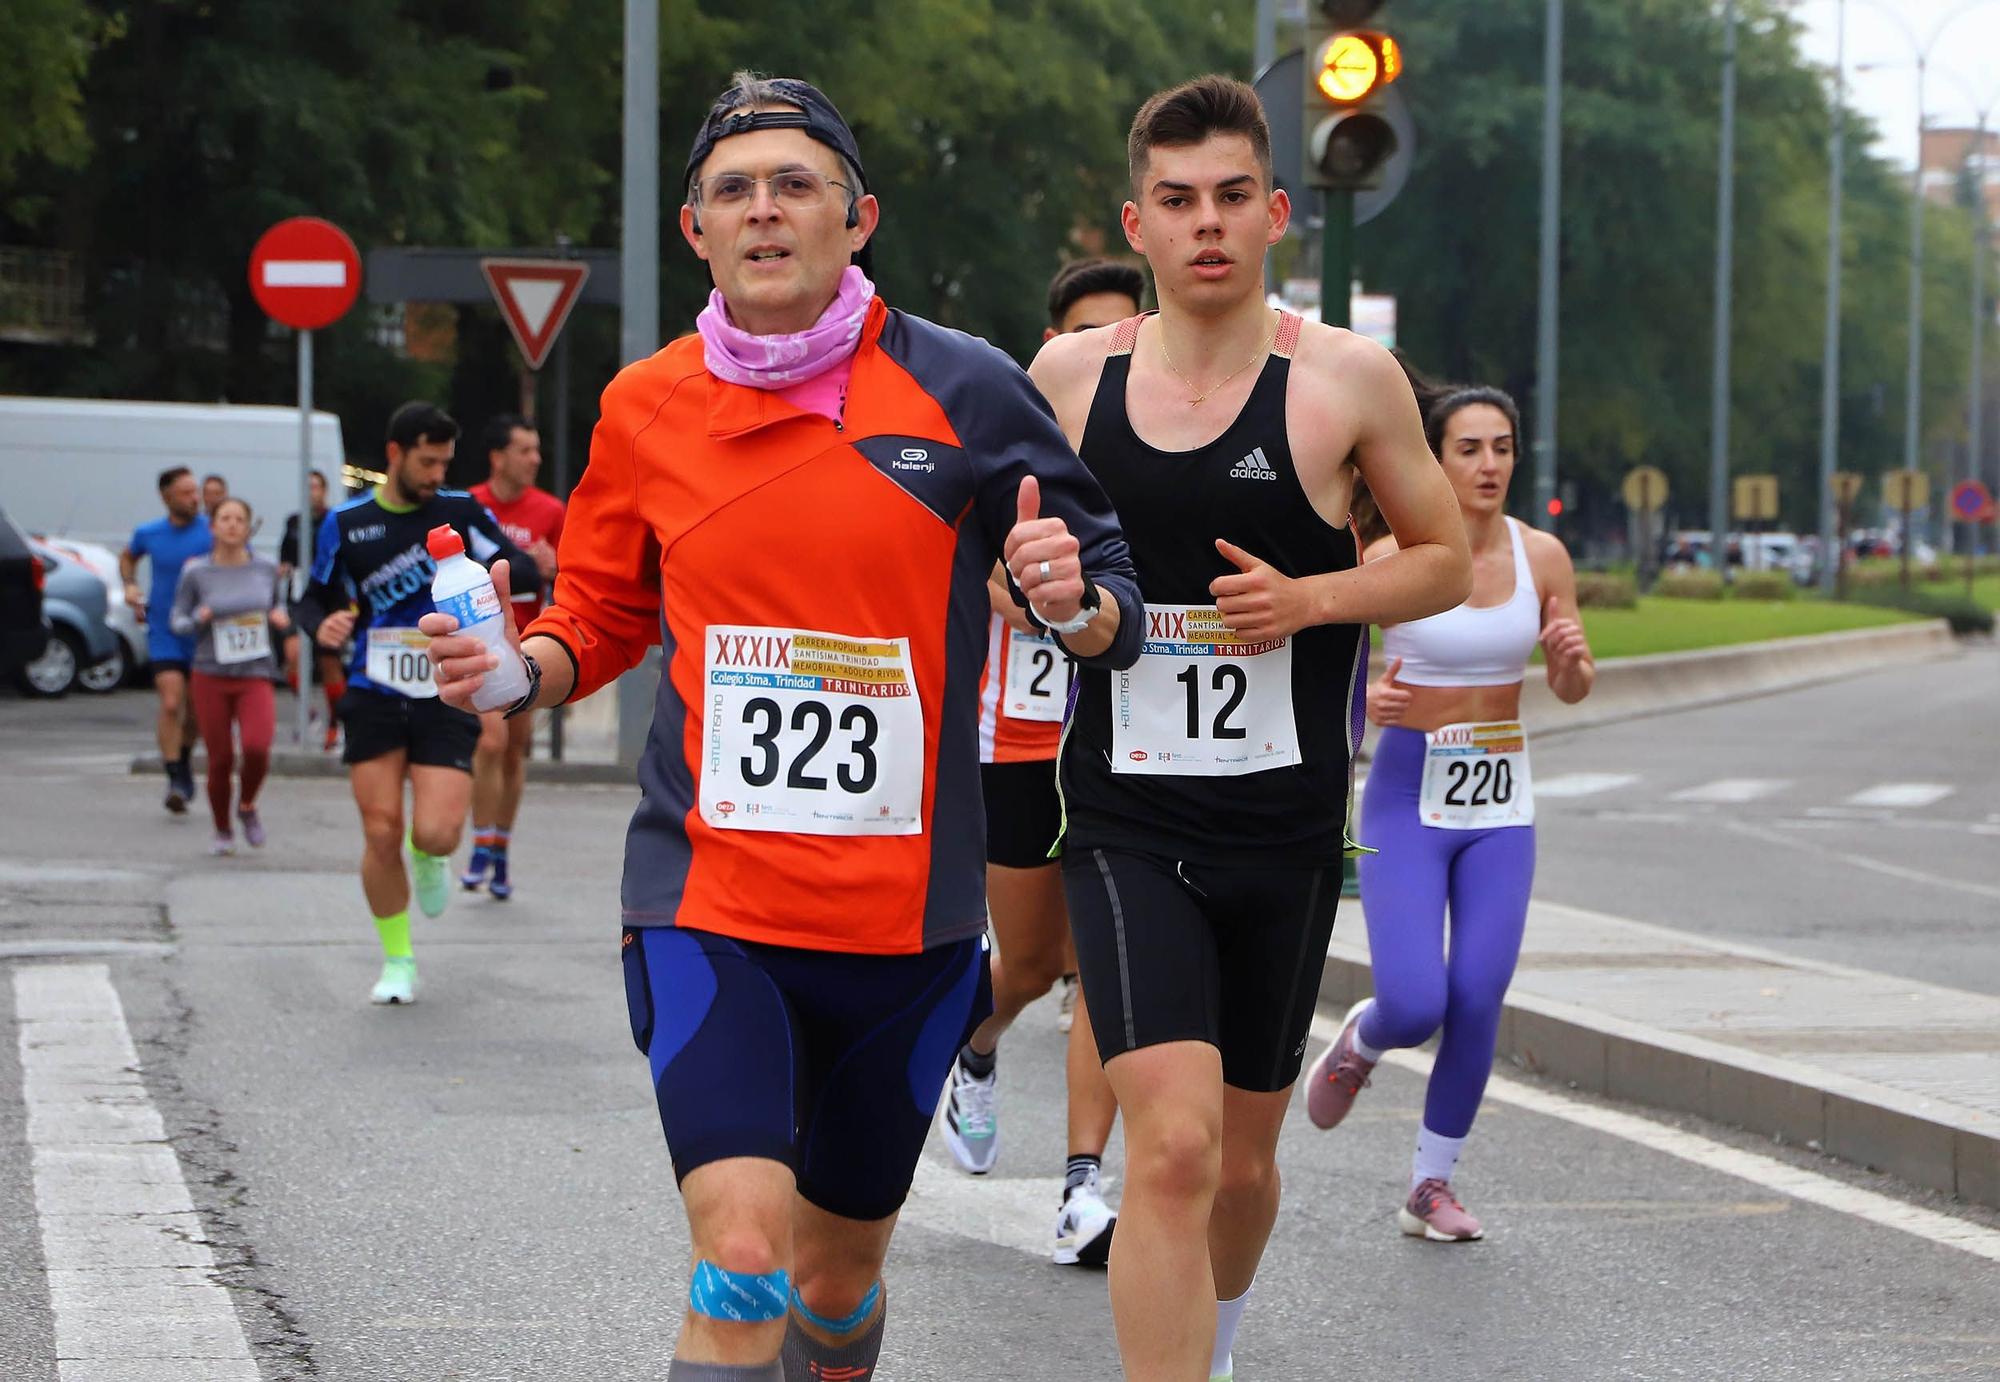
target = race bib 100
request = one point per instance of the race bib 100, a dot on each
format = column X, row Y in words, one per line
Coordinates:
column 1201, row 701
column 1038, row 675
column 399, row 660
column 242, row 638
column 810, row 732
column 1476, row 777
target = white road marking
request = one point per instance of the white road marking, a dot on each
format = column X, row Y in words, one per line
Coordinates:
column 132, row 1282
column 1582, row 784
column 1772, row 1174
column 1862, row 861
column 1732, row 791
column 1017, row 1212
column 1902, row 794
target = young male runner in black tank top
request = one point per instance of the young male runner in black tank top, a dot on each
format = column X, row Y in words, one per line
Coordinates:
column 1207, row 787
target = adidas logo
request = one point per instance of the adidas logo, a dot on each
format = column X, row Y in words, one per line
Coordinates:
column 1253, row 467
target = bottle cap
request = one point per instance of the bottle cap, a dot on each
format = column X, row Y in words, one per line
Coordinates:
column 444, row 541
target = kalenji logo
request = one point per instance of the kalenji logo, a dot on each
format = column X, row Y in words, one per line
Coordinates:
column 752, row 650
column 1137, row 755
column 1254, row 467
column 914, row 458
column 1170, row 624
column 725, row 808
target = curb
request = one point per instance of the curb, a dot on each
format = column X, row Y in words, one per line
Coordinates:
column 1912, row 1138
column 1628, row 688
column 292, row 763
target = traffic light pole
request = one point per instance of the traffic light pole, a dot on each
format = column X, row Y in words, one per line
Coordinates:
column 1545, row 312
column 1336, row 257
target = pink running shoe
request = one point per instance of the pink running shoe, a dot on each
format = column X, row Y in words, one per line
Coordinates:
column 1433, row 1212
column 1337, row 1076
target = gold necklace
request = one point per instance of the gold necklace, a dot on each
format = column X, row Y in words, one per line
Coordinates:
column 1201, row 395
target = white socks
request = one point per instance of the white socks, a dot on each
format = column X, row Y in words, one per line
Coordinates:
column 1436, row 1156
column 1228, row 1314
column 1362, row 1048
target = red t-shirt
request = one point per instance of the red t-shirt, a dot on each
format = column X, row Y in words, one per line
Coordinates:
column 537, row 516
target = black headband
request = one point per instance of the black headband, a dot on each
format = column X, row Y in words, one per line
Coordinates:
column 815, row 115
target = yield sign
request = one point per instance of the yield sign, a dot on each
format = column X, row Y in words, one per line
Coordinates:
column 535, row 296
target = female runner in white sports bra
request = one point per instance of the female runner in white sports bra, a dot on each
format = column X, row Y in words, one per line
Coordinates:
column 1449, row 807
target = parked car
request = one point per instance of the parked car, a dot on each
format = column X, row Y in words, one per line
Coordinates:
column 75, row 603
column 24, row 631
column 102, row 562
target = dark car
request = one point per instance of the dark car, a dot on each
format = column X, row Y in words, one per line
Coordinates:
column 24, row 632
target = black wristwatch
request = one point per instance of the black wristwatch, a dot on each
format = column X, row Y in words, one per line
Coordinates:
column 527, row 702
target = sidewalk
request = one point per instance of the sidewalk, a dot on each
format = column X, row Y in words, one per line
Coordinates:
column 1888, row 1073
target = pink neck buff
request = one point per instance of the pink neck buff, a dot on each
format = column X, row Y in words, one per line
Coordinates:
column 779, row 362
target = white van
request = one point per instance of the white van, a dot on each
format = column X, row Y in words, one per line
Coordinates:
column 88, row 469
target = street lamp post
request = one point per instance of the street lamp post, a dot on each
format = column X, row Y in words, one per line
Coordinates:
column 1725, row 231
column 1545, row 308
column 1832, row 542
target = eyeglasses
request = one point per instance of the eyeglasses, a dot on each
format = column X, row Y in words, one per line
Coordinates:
column 798, row 190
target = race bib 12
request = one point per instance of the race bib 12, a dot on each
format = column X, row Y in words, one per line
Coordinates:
column 1201, row 701
column 1038, row 675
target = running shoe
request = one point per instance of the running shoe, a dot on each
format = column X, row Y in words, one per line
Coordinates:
column 1066, row 1005
column 1228, row 1373
column 1433, row 1212
column 474, row 876
column 500, row 887
column 177, row 797
column 427, row 873
column 1084, row 1226
column 253, row 827
column 398, row 983
column 1337, row 1076
column 223, row 843
column 968, row 1119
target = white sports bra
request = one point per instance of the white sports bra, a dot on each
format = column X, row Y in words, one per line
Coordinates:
column 1472, row 645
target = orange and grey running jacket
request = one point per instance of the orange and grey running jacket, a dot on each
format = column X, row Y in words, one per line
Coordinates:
column 819, row 592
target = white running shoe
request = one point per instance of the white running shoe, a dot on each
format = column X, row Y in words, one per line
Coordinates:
column 1084, row 1226
column 1066, row 1005
column 1228, row 1373
column 969, row 1120
column 398, row 983
column 428, row 875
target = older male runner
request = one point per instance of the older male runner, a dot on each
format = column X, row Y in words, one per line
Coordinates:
column 801, row 503
column 1207, row 787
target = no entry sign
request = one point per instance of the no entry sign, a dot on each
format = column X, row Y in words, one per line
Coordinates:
column 305, row 273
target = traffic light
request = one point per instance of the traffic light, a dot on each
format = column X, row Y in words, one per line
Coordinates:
column 1348, row 138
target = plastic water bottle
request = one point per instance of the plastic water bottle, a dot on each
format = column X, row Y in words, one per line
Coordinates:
column 464, row 590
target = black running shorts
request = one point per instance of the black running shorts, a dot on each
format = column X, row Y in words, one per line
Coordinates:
column 1023, row 813
column 1230, row 955
column 432, row 733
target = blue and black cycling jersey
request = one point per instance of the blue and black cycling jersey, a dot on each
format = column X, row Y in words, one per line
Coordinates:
column 373, row 557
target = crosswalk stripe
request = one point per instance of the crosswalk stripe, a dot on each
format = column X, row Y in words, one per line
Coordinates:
column 1902, row 794
column 1732, row 790
column 1582, row 784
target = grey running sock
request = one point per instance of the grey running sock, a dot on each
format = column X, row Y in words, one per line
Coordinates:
column 976, row 1065
column 773, row 1371
column 1082, row 1166
column 809, row 1360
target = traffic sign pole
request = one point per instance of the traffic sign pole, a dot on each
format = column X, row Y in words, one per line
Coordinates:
column 305, row 273
column 308, row 648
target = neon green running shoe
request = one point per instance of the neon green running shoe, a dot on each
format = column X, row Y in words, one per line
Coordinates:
column 429, row 872
column 398, row 983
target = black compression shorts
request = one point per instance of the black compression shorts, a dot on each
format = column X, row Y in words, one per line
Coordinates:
column 1023, row 813
column 1229, row 955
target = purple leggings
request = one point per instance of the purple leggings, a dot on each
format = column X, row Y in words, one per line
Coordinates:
column 1486, row 876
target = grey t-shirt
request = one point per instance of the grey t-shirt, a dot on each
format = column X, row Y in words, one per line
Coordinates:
column 237, row 640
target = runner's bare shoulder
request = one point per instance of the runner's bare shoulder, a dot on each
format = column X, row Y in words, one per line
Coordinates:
column 1067, row 369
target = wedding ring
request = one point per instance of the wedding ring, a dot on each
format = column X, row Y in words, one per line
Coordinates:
column 1044, row 569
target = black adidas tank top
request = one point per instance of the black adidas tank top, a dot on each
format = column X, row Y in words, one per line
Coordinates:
column 1191, row 754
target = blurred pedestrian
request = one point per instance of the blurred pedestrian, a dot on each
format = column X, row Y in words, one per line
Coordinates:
column 229, row 602
column 214, row 489
column 166, row 544
column 326, row 665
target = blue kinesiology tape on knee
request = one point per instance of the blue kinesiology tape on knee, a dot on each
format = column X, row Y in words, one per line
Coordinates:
column 847, row 1323
column 740, row 1297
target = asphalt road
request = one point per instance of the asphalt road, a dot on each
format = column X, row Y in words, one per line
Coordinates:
column 1856, row 822
column 475, row 1187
